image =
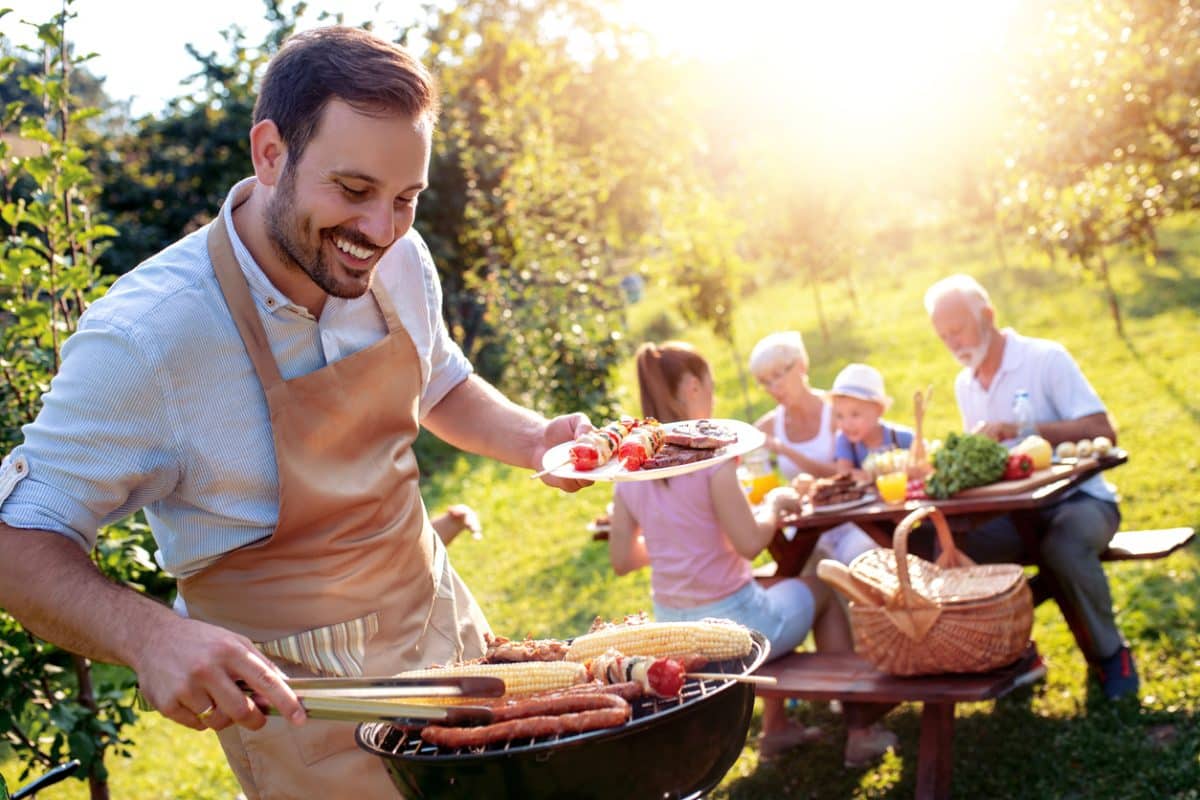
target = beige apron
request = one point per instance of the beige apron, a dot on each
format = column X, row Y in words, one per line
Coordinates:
column 353, row 581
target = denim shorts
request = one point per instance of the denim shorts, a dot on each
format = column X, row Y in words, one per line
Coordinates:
column 783, row 613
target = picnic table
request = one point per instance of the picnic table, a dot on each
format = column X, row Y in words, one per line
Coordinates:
column 797, row 535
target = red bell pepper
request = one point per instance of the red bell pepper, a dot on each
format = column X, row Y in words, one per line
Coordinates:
column 1019, row 466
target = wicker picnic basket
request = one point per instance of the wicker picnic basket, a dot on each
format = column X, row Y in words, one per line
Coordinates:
column 926, row 618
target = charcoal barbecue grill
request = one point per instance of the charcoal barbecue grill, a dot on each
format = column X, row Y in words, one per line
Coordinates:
column 672, row 748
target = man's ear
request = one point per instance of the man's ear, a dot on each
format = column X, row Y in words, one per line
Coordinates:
column 989, row 316
column 268, row 152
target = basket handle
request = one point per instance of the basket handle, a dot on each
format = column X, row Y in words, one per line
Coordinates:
column 836, row 575
column 950, row 554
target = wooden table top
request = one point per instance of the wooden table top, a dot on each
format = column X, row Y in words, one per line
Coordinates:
column 797, row 535
column 964, row 509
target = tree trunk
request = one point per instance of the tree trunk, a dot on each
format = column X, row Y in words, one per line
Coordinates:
column 97, row 786
column 998, row 239
column 742, row 377
column 1114, row 307
column 816, row 287
column 850, row 287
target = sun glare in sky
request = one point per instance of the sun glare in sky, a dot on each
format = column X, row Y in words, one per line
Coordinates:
column 874, row 75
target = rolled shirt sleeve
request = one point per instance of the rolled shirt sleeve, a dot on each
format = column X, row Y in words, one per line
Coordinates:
column 100, row 447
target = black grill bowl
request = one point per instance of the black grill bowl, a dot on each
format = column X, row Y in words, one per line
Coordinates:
column 670, row 749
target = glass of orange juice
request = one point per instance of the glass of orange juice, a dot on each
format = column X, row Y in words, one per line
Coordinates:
column 892, row 486
column 761, row 484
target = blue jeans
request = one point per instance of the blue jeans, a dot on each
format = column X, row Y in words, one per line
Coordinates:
column 783, row 613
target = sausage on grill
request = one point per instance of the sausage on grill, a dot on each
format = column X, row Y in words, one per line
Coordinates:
column 601, row 711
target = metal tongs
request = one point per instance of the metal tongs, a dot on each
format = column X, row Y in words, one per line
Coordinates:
column 374, row 699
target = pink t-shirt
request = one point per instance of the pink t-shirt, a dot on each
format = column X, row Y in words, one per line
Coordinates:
column 692, row 561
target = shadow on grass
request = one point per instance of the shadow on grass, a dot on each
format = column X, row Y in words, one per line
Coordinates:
column 1163, row 378
column 1003, row 749
column 1172, row 285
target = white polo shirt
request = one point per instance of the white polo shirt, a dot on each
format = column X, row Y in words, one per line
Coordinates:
column 1057, row 390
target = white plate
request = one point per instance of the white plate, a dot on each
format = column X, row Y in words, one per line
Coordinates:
column 748, row 438
column 869, row 497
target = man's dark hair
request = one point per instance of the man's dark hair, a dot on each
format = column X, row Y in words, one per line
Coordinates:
column 316, row 66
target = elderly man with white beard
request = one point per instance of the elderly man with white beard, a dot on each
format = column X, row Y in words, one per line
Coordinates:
column 1073, row 532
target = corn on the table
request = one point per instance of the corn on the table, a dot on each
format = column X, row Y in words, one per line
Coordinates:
column 715, row 641
column 520, row 678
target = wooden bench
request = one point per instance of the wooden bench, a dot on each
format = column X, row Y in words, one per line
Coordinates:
column 848, row 678
column 1139, row 545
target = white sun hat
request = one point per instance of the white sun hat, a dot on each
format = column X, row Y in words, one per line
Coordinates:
column 861, row 381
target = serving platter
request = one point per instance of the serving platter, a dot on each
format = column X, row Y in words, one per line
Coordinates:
column 1040, row 477
column 557, row 460
column 869, row 497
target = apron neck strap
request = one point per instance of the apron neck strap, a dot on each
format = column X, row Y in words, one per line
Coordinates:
column 386, row 307
column 241, row 304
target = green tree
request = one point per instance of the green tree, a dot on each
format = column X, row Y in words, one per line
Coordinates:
column 564, row 153
column 53, row 703
column 1107, row 135
column 169, row 173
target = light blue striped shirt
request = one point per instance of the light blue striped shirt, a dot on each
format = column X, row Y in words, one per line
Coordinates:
column 157, row 405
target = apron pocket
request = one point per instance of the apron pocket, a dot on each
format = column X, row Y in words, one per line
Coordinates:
column 317, row 740
column 337, row 650
column 456, row 625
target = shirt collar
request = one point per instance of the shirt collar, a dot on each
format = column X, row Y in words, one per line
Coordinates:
column 1011, row 358
column 260, row 285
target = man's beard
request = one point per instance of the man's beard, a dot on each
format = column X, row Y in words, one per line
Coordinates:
column 289, row 234
column 972, row 357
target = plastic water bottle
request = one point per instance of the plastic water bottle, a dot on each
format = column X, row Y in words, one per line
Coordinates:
column 1023, row 415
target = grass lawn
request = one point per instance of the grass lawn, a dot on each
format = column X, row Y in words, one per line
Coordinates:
column 537, row 571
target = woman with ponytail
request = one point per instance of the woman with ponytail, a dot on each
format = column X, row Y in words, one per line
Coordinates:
column 697, row 532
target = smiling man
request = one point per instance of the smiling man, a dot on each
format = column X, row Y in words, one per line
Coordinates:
column 1073, row 532
column 256, row 389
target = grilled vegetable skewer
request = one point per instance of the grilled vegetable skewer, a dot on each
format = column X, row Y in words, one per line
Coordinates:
column 595, row 448
column 641, row 444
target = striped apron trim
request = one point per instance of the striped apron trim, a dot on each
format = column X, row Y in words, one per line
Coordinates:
column 337, row 650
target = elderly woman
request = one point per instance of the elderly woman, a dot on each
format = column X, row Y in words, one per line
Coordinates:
column 800, row 430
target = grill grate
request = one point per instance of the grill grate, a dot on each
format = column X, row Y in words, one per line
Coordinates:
column 408, row 744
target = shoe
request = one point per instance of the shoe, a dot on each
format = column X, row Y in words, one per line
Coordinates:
column 865, row 745
column 1118, row 675
column 771, row 745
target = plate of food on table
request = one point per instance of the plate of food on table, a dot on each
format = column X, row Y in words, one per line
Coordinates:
column 644, row 449
column 837, row 493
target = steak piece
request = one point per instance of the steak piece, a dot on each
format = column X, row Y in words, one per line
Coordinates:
column 840, row 488
column 672, row 455
column 702, row 434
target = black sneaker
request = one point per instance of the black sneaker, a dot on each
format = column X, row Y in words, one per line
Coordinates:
column 1118, row 675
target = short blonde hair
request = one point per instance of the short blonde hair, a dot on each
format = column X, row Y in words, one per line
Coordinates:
column 776, row 349
column 963, row 286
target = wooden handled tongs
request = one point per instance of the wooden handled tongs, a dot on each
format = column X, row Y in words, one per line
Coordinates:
column 380, row 699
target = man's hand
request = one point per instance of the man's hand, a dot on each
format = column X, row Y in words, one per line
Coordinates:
column 559, row 430
column 190, row 670
column 1000, row 431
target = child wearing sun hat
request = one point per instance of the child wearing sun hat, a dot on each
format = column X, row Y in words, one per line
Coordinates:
column 859, row 403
